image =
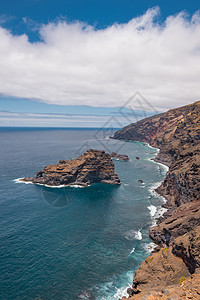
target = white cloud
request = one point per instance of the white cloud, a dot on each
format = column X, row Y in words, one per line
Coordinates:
column 77, row 64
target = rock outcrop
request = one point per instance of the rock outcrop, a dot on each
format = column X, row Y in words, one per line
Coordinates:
column 177, row 134
column 186, row 288
column 123, row 157
column 92, row 167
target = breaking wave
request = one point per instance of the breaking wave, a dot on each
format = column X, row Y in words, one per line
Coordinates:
column 133, row 235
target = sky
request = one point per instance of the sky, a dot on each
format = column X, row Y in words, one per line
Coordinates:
column 78, row 63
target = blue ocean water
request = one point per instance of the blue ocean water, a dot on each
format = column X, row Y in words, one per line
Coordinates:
column 72, row 243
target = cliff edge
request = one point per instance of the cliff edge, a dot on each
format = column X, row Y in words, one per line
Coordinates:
column 175, row 264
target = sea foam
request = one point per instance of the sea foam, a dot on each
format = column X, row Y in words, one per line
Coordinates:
column 19, row 180
column 149, row 247
column 132, row 251
column 133, row 235
column 153, row 210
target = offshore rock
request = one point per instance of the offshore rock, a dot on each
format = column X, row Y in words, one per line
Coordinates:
column 119, row 156
column 92, row 167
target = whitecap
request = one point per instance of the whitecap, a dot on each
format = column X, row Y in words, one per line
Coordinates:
column 62, row 186
column 116, row 288
column 160, row 211
column 157, row 149
column 78, row 186
column 149, row 247
column 164, row 167
column 121, row 292
column 152, row 209
column 154, row 186
column 19, row 180
column 132, row 234
column 132, row 251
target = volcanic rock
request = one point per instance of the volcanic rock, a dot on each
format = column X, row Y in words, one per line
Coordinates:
column 119, row 156
column 177, row 134
column 166, row 274
column 92, row 167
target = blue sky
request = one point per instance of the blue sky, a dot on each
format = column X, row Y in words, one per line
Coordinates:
column 95, row 12
column 89, row 57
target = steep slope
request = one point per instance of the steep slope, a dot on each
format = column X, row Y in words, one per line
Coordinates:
column 165, row 273
column 177, row 134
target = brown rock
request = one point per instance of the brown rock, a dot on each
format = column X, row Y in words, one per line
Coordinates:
column 160, row 270
column 177, row 134
column 92, row 167
column 119, row 156
column 187, row 288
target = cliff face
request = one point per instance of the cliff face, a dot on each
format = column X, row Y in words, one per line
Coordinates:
column 92, row 167
column 165, row 273
column 177, row 134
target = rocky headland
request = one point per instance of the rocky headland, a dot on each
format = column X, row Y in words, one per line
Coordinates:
column 173, row 269
column 93, row 166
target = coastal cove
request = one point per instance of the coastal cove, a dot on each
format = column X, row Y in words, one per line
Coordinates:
column 74, row 242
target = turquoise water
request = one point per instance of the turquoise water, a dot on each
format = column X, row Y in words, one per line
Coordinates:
column 72, row 243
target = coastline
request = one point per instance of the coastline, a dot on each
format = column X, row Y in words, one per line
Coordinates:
column 154, row 246
column 155, row 160
column 177, row 232
column 160, row 210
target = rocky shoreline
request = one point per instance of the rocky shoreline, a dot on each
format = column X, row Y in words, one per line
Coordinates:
column 175, row 263
column 93, row 166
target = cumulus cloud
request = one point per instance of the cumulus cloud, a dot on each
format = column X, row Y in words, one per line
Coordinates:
column 74, row 63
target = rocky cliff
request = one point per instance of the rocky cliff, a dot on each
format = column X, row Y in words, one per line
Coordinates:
column 92, row 167
column 167, row 272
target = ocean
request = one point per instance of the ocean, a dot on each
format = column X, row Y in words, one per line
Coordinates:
column 73, row 243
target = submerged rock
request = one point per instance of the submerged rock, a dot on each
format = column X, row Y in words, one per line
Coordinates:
column 92, row 167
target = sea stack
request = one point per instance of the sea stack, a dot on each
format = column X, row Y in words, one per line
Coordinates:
column 93, row 166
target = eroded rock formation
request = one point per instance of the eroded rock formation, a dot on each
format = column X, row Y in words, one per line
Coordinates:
column 92, row 167
column 123, row 157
